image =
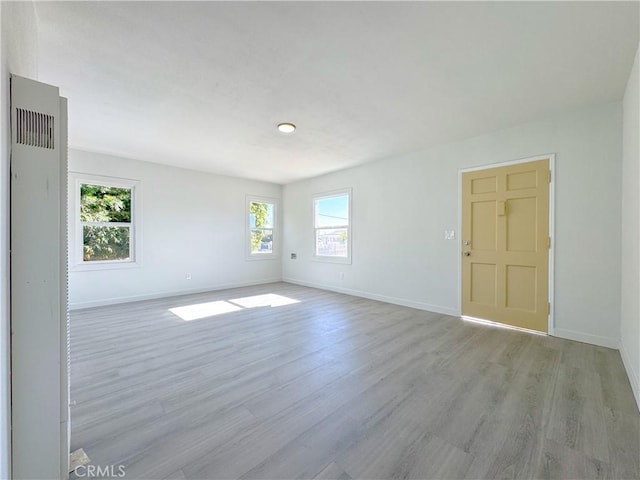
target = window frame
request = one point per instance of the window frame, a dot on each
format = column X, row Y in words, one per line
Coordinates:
column 348, row 192
column 275, row 252
column 76, row 241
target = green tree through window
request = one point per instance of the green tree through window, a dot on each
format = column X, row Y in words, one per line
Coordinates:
column 261, row 226
column 105, row 215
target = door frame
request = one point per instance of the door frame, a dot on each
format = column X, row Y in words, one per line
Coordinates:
column 552, row 166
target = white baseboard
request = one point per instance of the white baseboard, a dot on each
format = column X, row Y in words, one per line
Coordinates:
column 634, row 376
column 374, row 296
column 608, row 342
column 174, row 293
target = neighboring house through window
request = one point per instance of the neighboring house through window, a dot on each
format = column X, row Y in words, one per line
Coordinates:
column 331, row 215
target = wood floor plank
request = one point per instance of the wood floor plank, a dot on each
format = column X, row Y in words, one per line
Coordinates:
column 295, row 420
column 350, row 424
column 623, row 436
column 334, row 386
column 177, row 475
column 508, row 444
column 432, row 457
column 577, row 417
column 561, row 462
column 333, row 471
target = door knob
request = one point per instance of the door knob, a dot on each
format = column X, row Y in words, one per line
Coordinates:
column 466, row 254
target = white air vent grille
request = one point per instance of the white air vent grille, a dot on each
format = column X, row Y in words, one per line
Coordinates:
column 34, row 129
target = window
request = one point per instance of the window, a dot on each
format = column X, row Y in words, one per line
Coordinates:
column 262, row 232
column 105, row 231
column 331, row 214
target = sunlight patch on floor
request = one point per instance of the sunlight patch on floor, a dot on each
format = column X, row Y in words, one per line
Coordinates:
column 198, row 311
column 266, row 300
column 489, row 323
column 204, row 310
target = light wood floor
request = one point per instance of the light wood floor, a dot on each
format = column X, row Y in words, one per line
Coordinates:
column 341, row 387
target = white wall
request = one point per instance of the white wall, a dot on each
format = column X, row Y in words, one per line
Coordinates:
column 402, row 206
column 630, row 311
column 19, row 56
column 192, row 222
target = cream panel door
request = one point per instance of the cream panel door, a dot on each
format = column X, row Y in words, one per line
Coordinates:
column 505, row 235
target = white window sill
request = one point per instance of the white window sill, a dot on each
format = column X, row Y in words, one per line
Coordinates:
column 266, row 256
column 324, row 259
column 86, row 267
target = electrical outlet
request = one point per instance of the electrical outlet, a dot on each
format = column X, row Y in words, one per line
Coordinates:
column 449, row 235
column 294, row 256
column 187, row 276
column 341, row 275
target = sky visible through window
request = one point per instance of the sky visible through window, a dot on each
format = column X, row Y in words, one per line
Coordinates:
column 332, row 211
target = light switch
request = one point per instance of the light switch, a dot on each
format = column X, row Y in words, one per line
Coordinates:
column 449, row 235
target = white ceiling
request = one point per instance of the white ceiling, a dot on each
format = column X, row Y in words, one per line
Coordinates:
column 202, row 85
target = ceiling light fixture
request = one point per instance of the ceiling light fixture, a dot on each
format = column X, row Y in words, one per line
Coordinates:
column 286, row 127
